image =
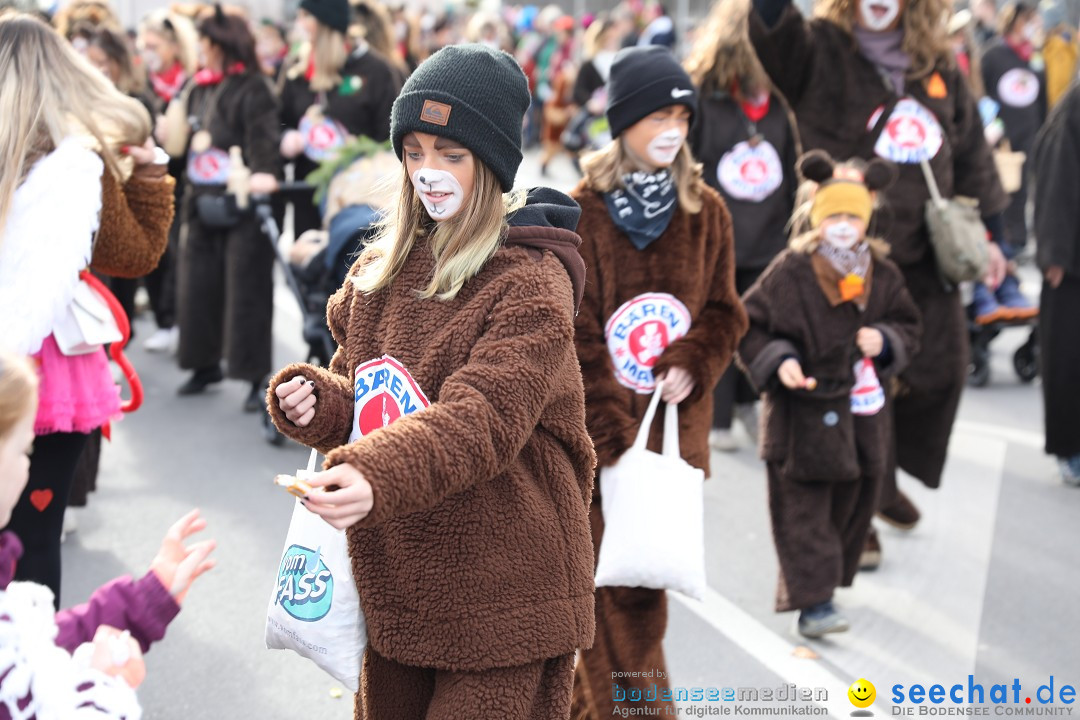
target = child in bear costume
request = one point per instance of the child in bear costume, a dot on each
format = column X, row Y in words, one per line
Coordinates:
column 830, row 320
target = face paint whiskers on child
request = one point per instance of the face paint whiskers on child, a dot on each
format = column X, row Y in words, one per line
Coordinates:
column 665, row 147
column 439, row 191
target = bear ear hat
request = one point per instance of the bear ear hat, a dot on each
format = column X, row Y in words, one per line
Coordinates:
column 817, row 166
column 880, row 174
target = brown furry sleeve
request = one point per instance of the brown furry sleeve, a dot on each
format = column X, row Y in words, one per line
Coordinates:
column 135, row 221
column 332, row 423
column 486, row 410
column 608, row 414
column 761, row 352
column 706, row 350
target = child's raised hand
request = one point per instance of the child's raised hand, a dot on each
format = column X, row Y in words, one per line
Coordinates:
column 791, row 374
column 176, row 565
column 296, row 399
column 870, row 341
column 348, row 503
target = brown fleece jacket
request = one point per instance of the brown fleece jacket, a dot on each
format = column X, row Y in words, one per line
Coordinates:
column 694, row 261
column 477, row 552
column 813, row 435
column 135, row 221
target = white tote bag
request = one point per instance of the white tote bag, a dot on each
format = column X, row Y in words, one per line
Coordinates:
column 314, row 609
column 654, row 515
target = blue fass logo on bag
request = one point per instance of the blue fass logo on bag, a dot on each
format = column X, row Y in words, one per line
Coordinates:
column 305, row 586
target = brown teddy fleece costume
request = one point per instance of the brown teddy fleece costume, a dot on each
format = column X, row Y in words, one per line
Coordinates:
column 476, row 558
column 474, row 566
column 825, row 463
column 693, row 259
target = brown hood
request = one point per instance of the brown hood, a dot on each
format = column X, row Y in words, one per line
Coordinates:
column 548, row 222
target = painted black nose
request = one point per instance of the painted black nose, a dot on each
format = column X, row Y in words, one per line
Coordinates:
column 423, row 179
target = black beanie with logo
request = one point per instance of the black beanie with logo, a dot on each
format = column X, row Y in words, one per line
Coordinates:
column 473, row 95
column 642, row 81
column 334, row 14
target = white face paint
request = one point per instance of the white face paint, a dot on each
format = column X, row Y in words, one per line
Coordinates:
column 841, row 235
column 665, row 146
column 439, row 191
column 878, row 15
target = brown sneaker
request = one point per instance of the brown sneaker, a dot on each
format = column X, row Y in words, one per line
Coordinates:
column 870, row 558
column 902, row 514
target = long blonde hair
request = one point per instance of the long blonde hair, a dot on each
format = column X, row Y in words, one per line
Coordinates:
column 924, row 23
column 18, row 391
column 330, row 52
column 723, row 55
column 462, row 244
column 605, row 168
column 48, row 92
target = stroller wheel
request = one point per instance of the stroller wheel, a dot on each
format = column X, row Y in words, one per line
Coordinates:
column 270, row 433
column 979, row 366
column 1026, row 361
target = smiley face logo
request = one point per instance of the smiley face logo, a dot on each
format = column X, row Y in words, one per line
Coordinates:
column 862, row 693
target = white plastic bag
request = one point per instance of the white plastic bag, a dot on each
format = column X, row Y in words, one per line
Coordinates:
column 314, row 609
column 654, row 515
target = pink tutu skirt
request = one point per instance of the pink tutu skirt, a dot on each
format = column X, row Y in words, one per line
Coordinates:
column 77, row 393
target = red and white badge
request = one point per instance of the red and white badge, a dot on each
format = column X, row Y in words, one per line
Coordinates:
column 638, row 333
column 1018, row 88
column 208, row 168
column 383, row 391
column 750, row 172
column 322, row 137
column 911, row 133
column 867, row 397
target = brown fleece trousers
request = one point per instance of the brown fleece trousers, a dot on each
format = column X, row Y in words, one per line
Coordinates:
column 630, row 628
column 819, row 529
column 392, row 691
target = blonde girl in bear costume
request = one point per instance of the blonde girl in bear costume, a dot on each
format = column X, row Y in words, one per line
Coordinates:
column 453, row 416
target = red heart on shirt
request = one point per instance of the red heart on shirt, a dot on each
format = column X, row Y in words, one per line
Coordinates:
column 41, row 499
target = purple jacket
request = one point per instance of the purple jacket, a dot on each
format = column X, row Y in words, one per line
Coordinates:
column 144, row 607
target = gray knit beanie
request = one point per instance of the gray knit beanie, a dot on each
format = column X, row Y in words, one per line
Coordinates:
column 470, row 94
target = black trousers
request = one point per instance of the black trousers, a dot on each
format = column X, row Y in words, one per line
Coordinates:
column 226, row 297
column 161, row 282
column 733, row 388
column 38, row 517
column 1060, row 354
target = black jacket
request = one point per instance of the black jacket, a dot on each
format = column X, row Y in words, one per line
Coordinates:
column 245, row 114
column 759, row 226
column 362, row 112
column 1055, row 165
column 1020, row 89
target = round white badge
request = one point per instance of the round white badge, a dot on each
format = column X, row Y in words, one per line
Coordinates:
column 322, row 137
column 1018, row 88
column 911, row 133
column 638, row 333
column 750, row 173
column 208, row 168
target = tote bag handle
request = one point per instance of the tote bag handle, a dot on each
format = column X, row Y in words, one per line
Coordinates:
column 671, row 425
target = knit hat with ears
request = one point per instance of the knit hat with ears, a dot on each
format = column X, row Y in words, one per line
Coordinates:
column 642, row 81
column 334, row 14
column 844, row 189
column 470, row 94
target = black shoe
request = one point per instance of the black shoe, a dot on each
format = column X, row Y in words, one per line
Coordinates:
column 256, row 399
column 200, row 379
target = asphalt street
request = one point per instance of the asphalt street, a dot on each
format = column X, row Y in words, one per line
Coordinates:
column 986, row 584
